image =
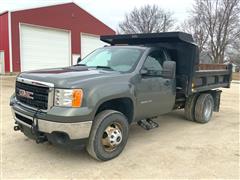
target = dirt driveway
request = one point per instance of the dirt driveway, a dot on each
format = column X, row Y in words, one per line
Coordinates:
column 177, row 149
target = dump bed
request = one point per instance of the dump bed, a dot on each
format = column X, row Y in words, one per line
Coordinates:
column 211, row 76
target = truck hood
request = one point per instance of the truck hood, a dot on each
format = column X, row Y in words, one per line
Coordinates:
column 69, row 76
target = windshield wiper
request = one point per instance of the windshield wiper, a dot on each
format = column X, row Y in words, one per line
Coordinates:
column 80, row 65
column 103, row 67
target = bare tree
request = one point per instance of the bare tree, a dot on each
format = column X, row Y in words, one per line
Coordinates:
column 219, row 19
column 147, row 19
column 233, row 52
column 195, row 27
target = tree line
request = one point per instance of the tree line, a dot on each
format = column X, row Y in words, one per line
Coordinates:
column 214, row 25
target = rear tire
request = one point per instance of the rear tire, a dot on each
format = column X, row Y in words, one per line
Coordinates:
column 189, row 109
column 204, row 108
column 109, row 135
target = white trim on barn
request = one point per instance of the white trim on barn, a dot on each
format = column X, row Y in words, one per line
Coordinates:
column 10, row 40
column 2, row 62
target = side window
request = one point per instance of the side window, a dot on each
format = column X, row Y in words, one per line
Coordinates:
column 153, row 63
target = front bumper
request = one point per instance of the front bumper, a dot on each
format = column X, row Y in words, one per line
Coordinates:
column 75, row 122
column 57, row 126
column 78, row 130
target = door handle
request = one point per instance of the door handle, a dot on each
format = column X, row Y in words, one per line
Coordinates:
column 167, row 83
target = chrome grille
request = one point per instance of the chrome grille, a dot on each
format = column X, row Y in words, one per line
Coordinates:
column 34, row 94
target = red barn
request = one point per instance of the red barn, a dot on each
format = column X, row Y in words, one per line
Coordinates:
column 45, row 37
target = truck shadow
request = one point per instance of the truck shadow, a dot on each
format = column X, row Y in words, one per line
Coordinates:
column 174, row 120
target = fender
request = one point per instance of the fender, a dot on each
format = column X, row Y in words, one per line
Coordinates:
column 105, row 92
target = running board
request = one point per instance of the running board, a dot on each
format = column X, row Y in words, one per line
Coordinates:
column 147, row 124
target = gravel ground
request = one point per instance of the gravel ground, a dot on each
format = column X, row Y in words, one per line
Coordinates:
column 177, row 149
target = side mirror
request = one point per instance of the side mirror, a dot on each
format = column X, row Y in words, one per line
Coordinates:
column 79, row 60
column 169, row 69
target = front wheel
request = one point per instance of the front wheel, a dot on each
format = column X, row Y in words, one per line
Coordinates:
column 108, row 135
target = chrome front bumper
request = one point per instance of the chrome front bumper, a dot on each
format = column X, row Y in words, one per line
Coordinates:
column 77, row 130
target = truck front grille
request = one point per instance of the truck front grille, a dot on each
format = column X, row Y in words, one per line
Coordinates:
column 33, row 96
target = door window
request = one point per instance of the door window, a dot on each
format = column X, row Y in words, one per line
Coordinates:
column 154, row 63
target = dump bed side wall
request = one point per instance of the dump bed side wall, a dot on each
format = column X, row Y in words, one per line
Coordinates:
column 211, row 76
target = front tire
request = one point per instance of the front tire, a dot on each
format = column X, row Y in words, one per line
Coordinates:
column 204, row 108
column 109, row 135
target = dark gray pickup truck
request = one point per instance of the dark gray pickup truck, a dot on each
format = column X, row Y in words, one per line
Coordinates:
column 135, row 79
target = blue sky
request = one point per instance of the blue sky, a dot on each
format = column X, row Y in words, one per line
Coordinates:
column 110, row 12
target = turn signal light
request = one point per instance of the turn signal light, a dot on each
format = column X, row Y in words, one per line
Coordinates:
column 77, row 96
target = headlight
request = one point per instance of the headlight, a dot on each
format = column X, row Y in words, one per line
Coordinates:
column 68, row 97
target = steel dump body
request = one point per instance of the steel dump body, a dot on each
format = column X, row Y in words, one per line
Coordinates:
column 211, row 76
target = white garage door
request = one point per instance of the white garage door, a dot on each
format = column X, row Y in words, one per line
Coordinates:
column 89, row 43
column 2, row 68
column 44, row 48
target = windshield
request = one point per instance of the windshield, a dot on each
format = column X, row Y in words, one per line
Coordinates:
column 117, row 58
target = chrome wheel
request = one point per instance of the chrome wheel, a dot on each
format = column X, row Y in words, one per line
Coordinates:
column 204, row 108
column 208, row 109
column 112, row 137
column 109, row 135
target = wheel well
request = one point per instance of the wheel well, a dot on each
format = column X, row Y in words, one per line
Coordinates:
column 123, row 105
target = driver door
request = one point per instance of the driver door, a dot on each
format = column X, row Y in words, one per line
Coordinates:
column 155, row 94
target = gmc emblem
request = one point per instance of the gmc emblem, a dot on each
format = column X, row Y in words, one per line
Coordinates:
column 26, row 94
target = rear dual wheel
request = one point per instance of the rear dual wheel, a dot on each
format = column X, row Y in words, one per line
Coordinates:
column 199, row 107
column 204, row 108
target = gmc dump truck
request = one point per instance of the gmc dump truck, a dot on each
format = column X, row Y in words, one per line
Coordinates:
column 135, row 79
